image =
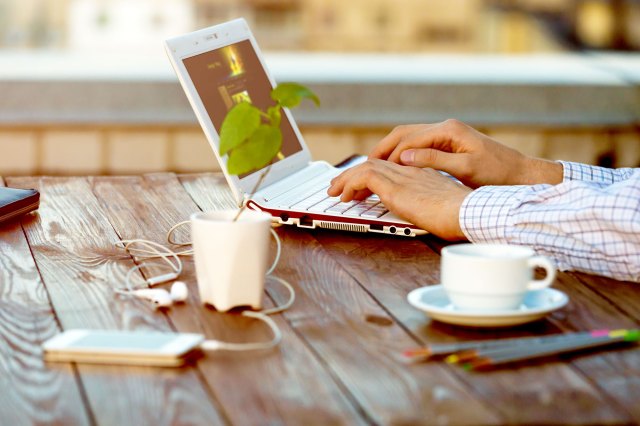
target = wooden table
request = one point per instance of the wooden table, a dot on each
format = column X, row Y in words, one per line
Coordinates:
column 338, row 361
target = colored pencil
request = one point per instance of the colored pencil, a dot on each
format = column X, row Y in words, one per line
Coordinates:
column 438, row 350
column 507, row 356
column 561, row 339
column 465, row 356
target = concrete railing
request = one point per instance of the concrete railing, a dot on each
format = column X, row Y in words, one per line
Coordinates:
column 356, row 90
column 66, row 113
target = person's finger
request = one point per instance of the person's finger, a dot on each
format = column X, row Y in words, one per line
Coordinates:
column 338, row 182
column 353, row 183
column 376, row 180
column 430, row 139
column 388, row 143
column 453, row 164
column 448, row 136
column 362, row 194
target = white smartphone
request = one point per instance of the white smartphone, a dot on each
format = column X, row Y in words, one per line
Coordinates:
column 121, row 347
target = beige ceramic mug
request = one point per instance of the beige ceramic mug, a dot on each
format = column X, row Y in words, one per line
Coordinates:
column 231, row 257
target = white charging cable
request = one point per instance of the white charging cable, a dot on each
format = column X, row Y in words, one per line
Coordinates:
column 217, row 345
column 145, row 250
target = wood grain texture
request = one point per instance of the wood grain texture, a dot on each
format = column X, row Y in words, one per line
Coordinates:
column 338, row 360
column 73, row 246
column 615, row 371
column 358, row 340
column 282, row 386
column 29, row 387
column 623, row 294
column 390, row 267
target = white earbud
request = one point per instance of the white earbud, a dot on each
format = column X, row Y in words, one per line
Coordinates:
column 179, row 292
column 159, row 297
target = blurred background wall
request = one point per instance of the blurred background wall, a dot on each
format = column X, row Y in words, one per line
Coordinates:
column 85, row 87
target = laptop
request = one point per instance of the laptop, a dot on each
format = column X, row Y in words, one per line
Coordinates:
column 222, row 65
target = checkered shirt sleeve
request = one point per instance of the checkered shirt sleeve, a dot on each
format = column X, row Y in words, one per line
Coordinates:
column 590, row 222
column 587, row 173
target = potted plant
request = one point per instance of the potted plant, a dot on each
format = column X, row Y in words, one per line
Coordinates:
column 231, row 246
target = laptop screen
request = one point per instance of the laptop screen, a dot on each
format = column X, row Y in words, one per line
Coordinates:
column 229, row 75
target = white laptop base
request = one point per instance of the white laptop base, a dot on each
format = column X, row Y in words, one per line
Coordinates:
column 309, row 206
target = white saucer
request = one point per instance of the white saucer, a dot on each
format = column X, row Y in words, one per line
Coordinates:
column 436, row 304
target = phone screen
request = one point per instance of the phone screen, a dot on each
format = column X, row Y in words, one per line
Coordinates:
column 123, row 341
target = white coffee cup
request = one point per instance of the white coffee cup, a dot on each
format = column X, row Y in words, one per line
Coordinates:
column 231, row 257
column 491, row 277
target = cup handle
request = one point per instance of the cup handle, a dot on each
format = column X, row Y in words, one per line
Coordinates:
column 547, row 265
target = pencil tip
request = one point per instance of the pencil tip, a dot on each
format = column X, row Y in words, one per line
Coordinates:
column 418, row 352
column 478, row 364
column 632, row 335
column 451, row 359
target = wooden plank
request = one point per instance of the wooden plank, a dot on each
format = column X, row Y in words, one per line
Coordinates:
column 73, row 246
column 624, row 295
column 390, row 267
column 26, row 320
column 615, row 371
column 357, row 339
column 284, row 385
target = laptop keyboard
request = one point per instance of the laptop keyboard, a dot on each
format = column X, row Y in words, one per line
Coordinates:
column 320, row 202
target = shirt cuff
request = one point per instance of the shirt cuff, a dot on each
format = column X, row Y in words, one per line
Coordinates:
column 484, row 214
column 588, row 173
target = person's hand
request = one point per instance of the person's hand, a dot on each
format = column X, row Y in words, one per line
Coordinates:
column 472, row 157
column 424, row 197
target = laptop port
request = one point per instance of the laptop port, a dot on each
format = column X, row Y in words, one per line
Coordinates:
column 284, row 217
column 375, row 227
column 392, row 229
column 306, row 221
column 407, row 231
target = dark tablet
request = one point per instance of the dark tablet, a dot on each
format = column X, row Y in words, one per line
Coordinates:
column 17, row 202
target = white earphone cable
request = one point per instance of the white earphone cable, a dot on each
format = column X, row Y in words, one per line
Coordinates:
column 173, row 229
column 151, row 250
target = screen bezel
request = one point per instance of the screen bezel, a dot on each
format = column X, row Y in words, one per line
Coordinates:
column 205, row 40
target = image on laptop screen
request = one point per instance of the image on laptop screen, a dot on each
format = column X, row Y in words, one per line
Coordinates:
column 230, row 75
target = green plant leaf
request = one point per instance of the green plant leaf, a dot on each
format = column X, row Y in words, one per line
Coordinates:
column 291, row 94
column 275, row 115
column 239, row 124
column 257, row 151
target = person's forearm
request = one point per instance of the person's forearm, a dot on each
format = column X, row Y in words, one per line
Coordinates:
column 537, row 171
column 585, row 226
